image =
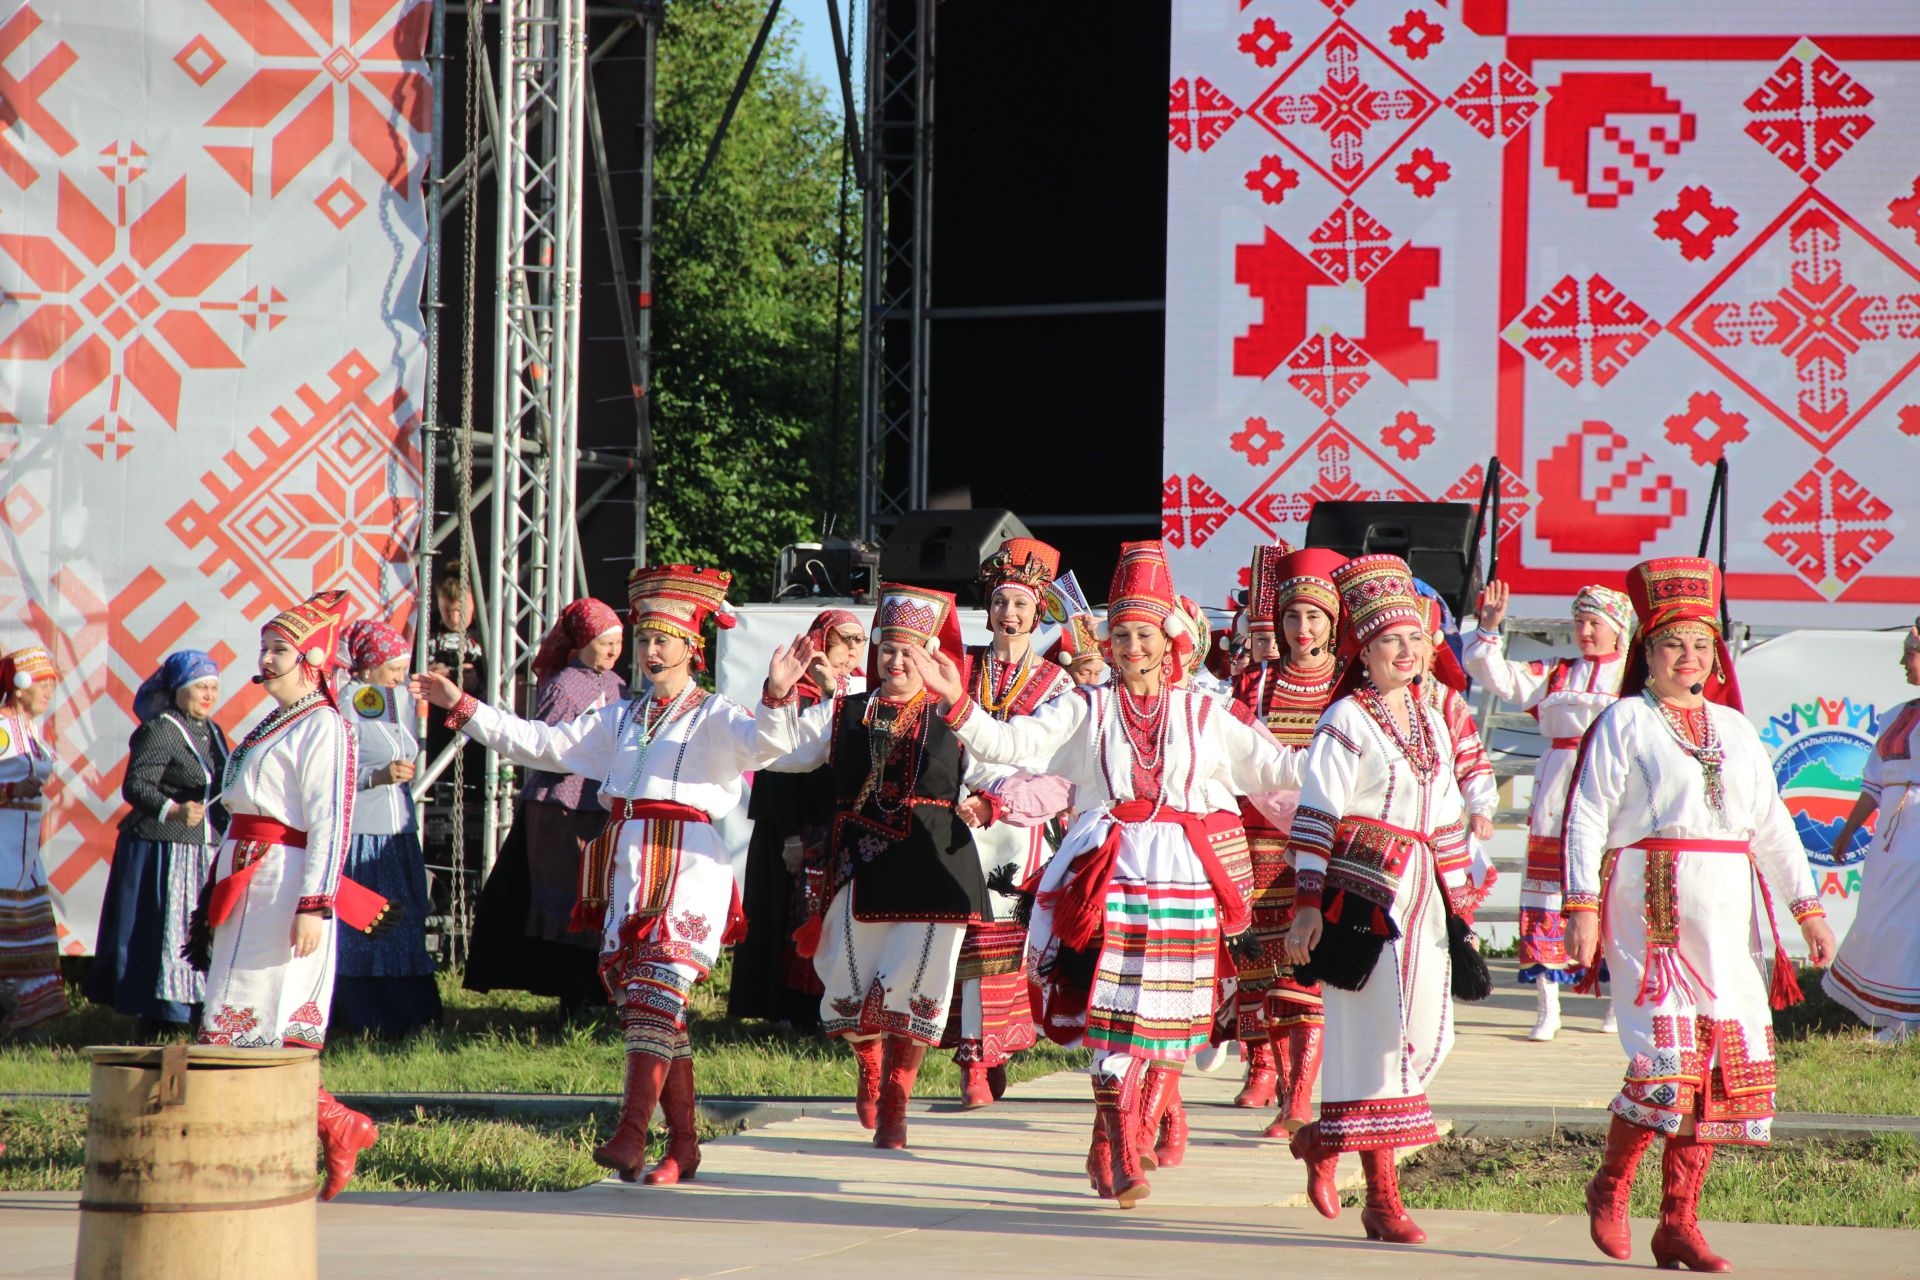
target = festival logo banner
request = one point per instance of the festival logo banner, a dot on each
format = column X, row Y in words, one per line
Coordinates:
column 1612, row 243
column 212, row 355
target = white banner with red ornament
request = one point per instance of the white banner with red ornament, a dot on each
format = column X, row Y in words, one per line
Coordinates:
column 1610, row 243
column 211, row 350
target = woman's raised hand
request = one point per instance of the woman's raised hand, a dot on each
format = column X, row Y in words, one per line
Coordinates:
column 435, row 688
column 940, row 674
column 1493, row 605
column 788, row 664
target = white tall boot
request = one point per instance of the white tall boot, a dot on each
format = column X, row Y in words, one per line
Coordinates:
column 1547, row 1024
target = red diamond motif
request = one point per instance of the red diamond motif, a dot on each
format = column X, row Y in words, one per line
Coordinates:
column 340, row 203
column 1344, row 470
column 1256, row 442
column 1829, row 528
column 20, row 509
column 1350, row 245
column 1583, row 331
column 1191, row 511
column 1728, row 427
column 1406, row 435
column 1827, row 347
column 200, row 60
column 1496, row 103
column 1328, row 370
column 1515, row 497
column 341, row 64
column 1197, row 114
column 1695, row 223
column 1809, row 112
column 1351, row 118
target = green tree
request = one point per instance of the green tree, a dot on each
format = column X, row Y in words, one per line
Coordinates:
column 745, row 302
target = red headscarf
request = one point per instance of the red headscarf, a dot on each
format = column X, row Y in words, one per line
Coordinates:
column 580, row 624
column 824, row 624
column 373, row 644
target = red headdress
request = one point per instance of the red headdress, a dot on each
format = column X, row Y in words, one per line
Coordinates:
column 1027, row 564
column 313, row 627
column 677, row 600
column 1678, row 591
column 915, row 616
column 1376, row 593
column 1263, row 586
column 1446, row 668
column 826, row 623
column 24, row 668
column 580, row 623
column 1142, row 589
column 372, row 644
column 1078, row 640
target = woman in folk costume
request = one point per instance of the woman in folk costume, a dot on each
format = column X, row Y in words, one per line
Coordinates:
column 657, row 883
column 1445, row 691
column 1293, row 611
column 1877, row 973
column 1008, row 678
column 1076, row 650
column 791, row 814
column 165, row 849
column 1565, row 695
column 1675, row 837
column 278, row 893
column 902, row 880
column 31, row 991
column 385, row 983
column 1134, row 910
column 1380, row 855
column 523, row 935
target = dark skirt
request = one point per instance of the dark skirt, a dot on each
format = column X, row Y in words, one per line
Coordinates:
column 557, row 840
column 384, row 982
column 129, row 953
column 504, row 954
column 767, row 982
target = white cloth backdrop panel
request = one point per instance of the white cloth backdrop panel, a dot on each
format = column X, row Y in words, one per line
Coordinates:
column 211, row 350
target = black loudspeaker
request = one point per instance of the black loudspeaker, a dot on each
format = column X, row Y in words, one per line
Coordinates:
column 1434, row 538
column 945, row 549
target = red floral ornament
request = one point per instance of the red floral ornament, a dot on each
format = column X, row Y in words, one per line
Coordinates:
column 1257, row 442
column 1406, row 435
column 1272, row 179
column 1695, row 223
column 1416, row 34
column 1265, row 43
column 1423, row 173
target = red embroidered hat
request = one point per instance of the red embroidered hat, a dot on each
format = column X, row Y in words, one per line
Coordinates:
column 918, row 616
column 1376, row 592
column 1306, row 576
column 1076, row 642
column 1668, row 594
column 1446, row 668
column 1026, row 563
column 24, row 668
column 1263, row 586
column 314, row 627
column 677, row 600
column 1142, row 588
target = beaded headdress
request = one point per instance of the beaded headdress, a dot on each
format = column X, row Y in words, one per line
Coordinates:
column 1026, row 563
column 23, row 668
column 1610, row 606
column 1669, row 594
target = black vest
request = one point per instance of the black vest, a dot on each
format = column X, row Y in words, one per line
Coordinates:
column 907, row 861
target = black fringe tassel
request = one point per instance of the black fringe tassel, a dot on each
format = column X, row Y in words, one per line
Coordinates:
column 197, row 950
column 1471, row 980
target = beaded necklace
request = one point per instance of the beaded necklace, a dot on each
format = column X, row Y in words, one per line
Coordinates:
column 990, row 680
column 1145, row 729
column 652, row 724
column 1422, row 753
column 889, row 725
column 267, row 728
column 1708, row 753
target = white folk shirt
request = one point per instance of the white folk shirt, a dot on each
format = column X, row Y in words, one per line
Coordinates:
column 23, row 755
column 1590, row 687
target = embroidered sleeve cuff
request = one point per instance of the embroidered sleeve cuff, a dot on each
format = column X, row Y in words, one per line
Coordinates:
column 957, row 714
column 1805, row 909
column 462, row 711
column 1488, row 638
column 321, row 902
column 1309, row 888
column 1581, row 902
column 996, row 807
column 768, row 700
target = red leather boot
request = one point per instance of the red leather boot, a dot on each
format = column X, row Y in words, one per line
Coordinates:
column 1385, row 1218
column 975, row 1092
column 683, row 1134
column 997, row 1081
column 626, row 1152
column 1129, row 1179
column 866, row 1063
column 1155, row 1094
column 1612, row 1185
column 1296, row 1053
column 1262, row 1080
column 1171, row 1132
column 900, row 1066
column 1100, row 1159
column 1677, row 1241
column 344, row 1134
column 1321, row 1162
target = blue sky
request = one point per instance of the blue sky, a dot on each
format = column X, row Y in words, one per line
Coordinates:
column 808, row 21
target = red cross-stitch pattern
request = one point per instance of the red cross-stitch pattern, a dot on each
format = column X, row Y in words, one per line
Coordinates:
column 1708, row 447
column 1422, row 174
column 1406, row 435
column 1416, row 35
column 1845, row 291
column 1256, row 441
column 1904, row 211
column 1272, row 179
column 1328, row 370
column 1191, row 511
column 1609, row 133
column 1265, row 43
column 118, row 299
column 20, row 97
column 1343, row 470
column 1695, row 223
column 1584, row 330
column 1515, row 497
column 1197, row 114
column 327, row 70
column 325, row 505
column 1347, row 122
column 1279, row 275
column 1598, row 493
column 1497, row 103
column 1828, row 527
column 1809, row 113
column 1350, row 245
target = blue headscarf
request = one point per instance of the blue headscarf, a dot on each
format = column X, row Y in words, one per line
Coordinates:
column 177, row 672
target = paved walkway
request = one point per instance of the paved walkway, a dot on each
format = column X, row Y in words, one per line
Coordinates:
column 1002, row 1192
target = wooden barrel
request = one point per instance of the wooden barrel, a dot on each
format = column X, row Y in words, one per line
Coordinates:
column 200, row 1163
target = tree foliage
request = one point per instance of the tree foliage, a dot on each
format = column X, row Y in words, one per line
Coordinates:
column 745, row 301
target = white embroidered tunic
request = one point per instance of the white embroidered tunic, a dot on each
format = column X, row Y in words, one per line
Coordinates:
column 1877, row 973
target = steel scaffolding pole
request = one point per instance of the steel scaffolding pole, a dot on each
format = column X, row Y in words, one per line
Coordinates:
column 534, row 542
column 897, row 257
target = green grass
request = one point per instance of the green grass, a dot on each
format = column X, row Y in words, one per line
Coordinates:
column 1798, row 1182
column 508, row 1042
column 1829, row 1062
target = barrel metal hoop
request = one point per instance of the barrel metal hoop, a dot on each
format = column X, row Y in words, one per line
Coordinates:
column 234, row 1206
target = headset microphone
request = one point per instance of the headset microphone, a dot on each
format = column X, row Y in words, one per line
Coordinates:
column 1695, row 688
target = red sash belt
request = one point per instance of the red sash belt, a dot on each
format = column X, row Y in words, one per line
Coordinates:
column 1564, row 744
column 1079, row 907
column 625, row 810
column 353, row 904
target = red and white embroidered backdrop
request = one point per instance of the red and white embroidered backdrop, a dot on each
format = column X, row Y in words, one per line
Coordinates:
column 211, row 349
column 1610, row 242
